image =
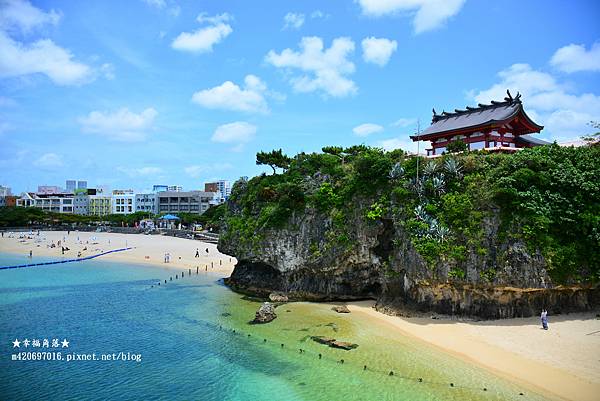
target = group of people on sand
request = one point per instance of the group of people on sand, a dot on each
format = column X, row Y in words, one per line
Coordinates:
column 198, row 252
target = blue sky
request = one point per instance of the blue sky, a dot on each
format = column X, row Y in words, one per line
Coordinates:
column 132, row 93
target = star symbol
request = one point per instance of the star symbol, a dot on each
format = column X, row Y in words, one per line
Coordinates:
column 16, row 343
column 65, row 343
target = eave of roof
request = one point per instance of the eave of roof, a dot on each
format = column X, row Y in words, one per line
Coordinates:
column 475, row 118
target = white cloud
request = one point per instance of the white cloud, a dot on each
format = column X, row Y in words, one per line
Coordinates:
column 324, row 70
column 203, row 39
column 367, row 129
column 428, row 14
column 547, row 101
column 378, row 51
column 156, row 3
column 404, row 122
column 237, row 133
column 121, row 125
column 196, row 171
column 293, row 20
column 229, row 96
column 175, row 11
column 573, row 58
column 108, row 70
column 49, row 161
column 41, row 57
column 319, row 14
column 20, row 15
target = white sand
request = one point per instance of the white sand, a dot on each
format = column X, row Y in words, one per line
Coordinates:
column 563, row 362
column 148, row 249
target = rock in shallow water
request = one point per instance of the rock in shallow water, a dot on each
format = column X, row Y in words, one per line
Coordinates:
column 341, row 309
column 278, row 297
column 265, row 314
column 333, row 343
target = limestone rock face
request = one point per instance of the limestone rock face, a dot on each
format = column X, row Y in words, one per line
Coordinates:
column 265, row 314
column 306, row 260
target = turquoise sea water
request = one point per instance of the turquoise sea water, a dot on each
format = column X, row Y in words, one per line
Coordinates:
column 196, row 344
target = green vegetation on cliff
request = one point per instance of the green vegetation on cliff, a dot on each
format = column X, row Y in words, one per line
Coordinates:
column 547, row 197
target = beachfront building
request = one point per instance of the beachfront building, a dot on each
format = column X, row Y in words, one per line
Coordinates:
column 57, row 202
column 122, row 201
column 81, row 202
column 146, row 203
column 499, row 126
column 186, row 202
column 222, row 187
column 99, row 205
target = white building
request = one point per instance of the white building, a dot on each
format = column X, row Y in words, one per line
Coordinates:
column 222, row 187
column 123, row 201
column 57, row 203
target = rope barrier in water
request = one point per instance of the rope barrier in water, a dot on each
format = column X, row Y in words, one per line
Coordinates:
column 64, row 261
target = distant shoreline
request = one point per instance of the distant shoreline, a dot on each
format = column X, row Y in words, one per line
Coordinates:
column 147, row 249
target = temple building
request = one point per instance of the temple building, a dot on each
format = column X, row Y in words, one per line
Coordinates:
column 500, row 126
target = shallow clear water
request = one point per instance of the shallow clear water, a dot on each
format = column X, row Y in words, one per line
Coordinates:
column 184, row 332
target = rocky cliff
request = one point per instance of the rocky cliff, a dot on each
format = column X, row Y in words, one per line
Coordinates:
column 482, row 235
column 381, row 263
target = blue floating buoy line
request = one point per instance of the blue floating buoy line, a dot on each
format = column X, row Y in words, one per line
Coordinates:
column 56, row 262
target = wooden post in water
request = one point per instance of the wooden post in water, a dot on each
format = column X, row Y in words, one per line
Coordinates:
column 196, row 269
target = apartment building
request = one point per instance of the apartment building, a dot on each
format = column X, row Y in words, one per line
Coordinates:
column 57, row 203
column 146, row 203
column 99, row 205
column 186, row 201
column 222, row 187
column 123, row 201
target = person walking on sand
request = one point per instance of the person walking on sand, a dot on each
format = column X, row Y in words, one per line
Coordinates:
column 206, row 251
column 30, row 254
column 545, row 319
column 197, row 253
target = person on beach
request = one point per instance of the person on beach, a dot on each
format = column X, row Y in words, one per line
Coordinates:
column 544, row 318
column 206, row 251
column 30, row 254
column 197, row 253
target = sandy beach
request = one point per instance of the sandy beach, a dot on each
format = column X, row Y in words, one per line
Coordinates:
column 146, row 249
column 562, row 363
